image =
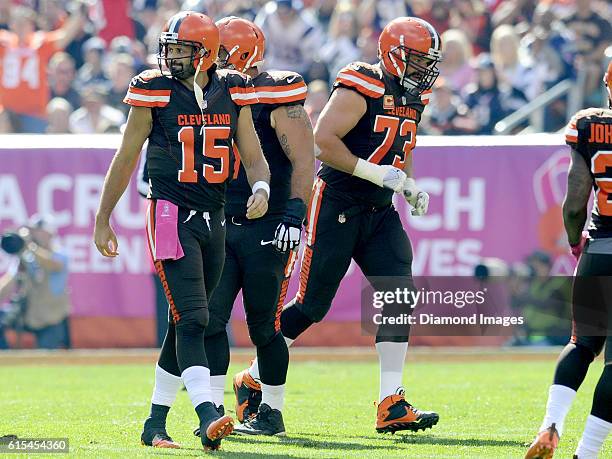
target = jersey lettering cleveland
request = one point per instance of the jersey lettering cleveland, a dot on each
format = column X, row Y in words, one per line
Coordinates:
column 385, row 134
column 589, row 133
column 190, row 155
column 273, row 89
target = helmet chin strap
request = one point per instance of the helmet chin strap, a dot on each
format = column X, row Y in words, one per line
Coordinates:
column 199, row 93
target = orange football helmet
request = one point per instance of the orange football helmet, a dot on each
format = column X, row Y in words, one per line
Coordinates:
column 607, row 79
column 242, row 43
column 410, row 48
column 196, row 31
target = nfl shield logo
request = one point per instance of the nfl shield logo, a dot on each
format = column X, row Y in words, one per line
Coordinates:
column 388, row 102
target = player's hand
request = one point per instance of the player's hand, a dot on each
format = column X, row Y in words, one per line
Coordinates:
column 419, row 200
column 257, row 205
column 576, row 249
column 105, row 239
column 393, row 178
column 289, row 231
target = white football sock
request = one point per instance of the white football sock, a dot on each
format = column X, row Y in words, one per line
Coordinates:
column 166, row 387
column 560, row 400
column 391, row 357
column 254, row 368
column 217, row 387
column 197, row 383
column 273, row 396
column 595, row 432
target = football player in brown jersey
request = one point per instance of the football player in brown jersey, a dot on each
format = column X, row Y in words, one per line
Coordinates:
column 191, row 115
column 589, row 134
column 260, row 253
column 366, row 134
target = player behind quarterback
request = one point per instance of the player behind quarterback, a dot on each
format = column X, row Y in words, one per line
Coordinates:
column 190, row 115
column 366, row 135
column 589, row 133
column 260, row 253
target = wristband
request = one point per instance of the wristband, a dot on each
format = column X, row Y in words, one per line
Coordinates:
column 370, row 172
column 261, row 185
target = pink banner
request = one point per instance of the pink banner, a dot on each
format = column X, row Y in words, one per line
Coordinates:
column 487, row 200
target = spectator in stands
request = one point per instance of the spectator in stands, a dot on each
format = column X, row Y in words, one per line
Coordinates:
column 95, row 116
column 92, row 71
column 437, row 13
column 61, row 78
column 368, row 46
column 378, row 13
column 592, row 34
column 515, row 13
column 5, row 13
column 39, row 278
column 456, row 67
column 24, row 55
column 445, row 114
column 58, row 116
column 510, row 70
column 293, row 37
column 324, row 11
column 472, row 17
column 340, row 48
column 488, row 101
column 318, row 93
column 120, row 72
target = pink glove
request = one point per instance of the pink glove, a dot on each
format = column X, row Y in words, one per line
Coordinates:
column 576, row 249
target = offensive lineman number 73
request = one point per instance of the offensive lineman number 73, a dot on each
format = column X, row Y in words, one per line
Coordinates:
column 211, row 134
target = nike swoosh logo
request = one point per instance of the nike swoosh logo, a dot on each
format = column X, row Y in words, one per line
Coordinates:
column 266, row 242
column 291, row 79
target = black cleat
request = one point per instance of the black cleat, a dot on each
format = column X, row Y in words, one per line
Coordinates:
column 266, row 422
column 220, row 410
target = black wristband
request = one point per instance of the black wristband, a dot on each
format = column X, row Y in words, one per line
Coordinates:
column 295, row 212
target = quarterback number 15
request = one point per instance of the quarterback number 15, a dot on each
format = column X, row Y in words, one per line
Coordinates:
column 211, row 134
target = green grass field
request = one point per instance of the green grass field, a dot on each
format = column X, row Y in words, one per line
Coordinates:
column 487, row 409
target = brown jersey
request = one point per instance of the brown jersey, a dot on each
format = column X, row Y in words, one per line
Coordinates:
column 190, row 156
column 385, row 134
column 589, row 133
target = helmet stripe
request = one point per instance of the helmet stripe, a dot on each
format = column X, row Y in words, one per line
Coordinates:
column 176, row 22
column 435, row 38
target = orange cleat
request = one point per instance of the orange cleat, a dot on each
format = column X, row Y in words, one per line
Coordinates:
column 216, row 431
column 158, row 438
column 544, row 445
column 395, row 413
column 248, row 395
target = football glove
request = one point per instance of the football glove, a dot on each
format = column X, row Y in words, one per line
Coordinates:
column 384, row 176
column 419, row 200
column 289, row 231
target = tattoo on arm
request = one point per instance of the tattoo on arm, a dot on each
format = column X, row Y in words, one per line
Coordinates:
column 285, row 144
column 298, row 112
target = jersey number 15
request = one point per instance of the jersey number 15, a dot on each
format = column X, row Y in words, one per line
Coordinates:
column 211, row 134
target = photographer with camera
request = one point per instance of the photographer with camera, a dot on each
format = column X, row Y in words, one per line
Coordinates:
column 36, row 285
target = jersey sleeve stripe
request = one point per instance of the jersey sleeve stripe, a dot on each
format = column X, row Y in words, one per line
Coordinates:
column 571, row 139
column 368, row 90
column 149, row 92
column 281, row 88
column 245, row 99
column 361, row 76
column 425, row 97
column 270, row 97
column 141, row 100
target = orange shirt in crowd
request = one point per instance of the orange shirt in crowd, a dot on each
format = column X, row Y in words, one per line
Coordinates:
column 24, row 88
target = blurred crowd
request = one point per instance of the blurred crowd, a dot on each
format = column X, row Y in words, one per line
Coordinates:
column 66, row 64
